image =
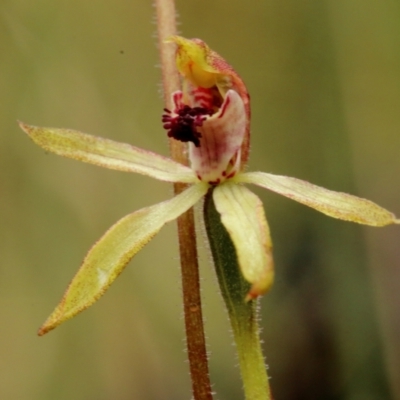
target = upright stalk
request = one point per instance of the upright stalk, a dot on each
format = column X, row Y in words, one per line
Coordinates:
column 195, row 338
column 242, row 315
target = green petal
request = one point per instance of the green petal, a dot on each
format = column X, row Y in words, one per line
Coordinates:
column 109, row 154
column 242, row 315
column 243, row 216
column 335, row 204
column 109, row 256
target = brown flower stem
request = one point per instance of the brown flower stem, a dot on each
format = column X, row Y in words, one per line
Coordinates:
column 195, row 338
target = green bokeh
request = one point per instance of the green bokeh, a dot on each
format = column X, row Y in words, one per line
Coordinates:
column 324, row 77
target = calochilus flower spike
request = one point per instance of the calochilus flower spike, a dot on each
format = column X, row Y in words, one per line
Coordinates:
column 211, row 114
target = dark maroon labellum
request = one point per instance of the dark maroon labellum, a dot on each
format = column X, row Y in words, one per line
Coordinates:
column 182, row 125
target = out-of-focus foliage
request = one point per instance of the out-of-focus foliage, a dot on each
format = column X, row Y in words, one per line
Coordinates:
column 325, row 84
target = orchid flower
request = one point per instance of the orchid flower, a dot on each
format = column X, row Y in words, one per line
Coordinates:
column 211, row 114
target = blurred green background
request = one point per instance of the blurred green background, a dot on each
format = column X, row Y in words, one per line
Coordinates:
column 324, row 77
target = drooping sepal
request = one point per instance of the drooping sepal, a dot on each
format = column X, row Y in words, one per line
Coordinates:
column 242, row 215
column 242, row 314
column 111, row 254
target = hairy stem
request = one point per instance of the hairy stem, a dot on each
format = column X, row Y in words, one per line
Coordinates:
column 242, row 315
column 195, row 339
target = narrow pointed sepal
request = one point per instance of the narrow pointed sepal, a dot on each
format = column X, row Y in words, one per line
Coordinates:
column 110, row 255
column 108, row 153
column 334, row 204
column 242, row 315
column 242, row 215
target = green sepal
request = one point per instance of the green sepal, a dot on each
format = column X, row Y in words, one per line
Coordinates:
column 242, row 315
